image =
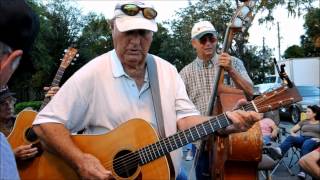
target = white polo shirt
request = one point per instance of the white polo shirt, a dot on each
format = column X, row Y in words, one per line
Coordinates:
column 100, row 96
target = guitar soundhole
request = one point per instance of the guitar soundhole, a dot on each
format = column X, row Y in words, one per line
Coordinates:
column 125, row 164
column 30, row 135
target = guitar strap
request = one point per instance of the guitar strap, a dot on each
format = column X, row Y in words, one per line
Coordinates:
column 155, row 92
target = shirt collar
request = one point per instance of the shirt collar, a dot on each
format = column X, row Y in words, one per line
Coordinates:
column 117, row 68
column 210, row 63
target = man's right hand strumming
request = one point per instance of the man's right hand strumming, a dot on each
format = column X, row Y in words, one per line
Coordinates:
column 90, row 167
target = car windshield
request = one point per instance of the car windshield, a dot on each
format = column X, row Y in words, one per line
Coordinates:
column 308, row 91
column 270, row 79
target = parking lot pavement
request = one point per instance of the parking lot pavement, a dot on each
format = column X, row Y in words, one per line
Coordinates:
column 281, row 173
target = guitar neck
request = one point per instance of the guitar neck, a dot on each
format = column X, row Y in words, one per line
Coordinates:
column 55, row 82
column 182, row 138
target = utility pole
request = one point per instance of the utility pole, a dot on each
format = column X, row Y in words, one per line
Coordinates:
column 263, row 56
column 279, row 39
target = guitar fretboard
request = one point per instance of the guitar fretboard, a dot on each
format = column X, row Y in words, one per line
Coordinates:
column 55, row 82
column 182, row 138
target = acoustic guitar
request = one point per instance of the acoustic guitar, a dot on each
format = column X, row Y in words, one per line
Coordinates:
column 22, row 133
column 134, row 151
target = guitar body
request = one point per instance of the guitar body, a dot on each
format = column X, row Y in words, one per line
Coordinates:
column 27, row 168
column 237, row 155
column 129, row 137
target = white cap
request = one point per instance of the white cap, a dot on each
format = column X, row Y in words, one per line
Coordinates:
column 201, row 28
column 126, row 23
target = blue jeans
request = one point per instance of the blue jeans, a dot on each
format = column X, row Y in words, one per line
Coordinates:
column 305, row 143
column 267, row 139
column 183, row 175
column 202, row 167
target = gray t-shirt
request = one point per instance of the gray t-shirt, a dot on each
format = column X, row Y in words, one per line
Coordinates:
column 308, row 129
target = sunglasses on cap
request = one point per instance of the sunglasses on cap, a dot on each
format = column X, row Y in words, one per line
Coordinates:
column 208, row 37
column 133, row 9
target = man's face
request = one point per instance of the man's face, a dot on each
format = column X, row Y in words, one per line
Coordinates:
column 205, row 46
column 6, row 108
column 132, row 46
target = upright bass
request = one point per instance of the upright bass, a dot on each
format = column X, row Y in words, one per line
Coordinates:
column 235, row 156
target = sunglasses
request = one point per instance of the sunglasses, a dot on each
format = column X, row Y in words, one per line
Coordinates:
column 203, row 40
column 133, row 9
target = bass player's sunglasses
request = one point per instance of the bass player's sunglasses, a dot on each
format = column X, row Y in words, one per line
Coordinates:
column 133, row 9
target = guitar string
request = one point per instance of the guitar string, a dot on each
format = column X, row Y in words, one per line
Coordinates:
column 134, row 161
column 149, row 149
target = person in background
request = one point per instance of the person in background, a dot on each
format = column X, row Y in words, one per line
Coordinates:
column 310, row 163
column 199, row 76
column 19, row 26
column 269, row 128
column 87, row 100
column 307, row 139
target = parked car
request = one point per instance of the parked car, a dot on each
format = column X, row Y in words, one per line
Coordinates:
column 310, row 96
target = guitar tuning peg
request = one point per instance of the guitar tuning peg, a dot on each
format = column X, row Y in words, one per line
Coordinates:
column 75, row 59
column 60, row 59
column 65, row 50
column 77, row 55
column 72, row 63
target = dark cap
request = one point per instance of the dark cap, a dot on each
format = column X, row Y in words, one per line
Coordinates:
column 19, row 25
column 5, row 94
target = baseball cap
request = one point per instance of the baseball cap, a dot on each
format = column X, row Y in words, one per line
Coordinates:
column 201, row 28
column 125, row 22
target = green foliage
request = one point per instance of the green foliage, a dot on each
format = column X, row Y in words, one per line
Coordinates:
column 30, row 104
column 62, row 25
column 294, row 51
column 311, row 41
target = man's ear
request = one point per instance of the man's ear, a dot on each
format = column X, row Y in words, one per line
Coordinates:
column 13, row 57
column 194, row 43
column 7, row 66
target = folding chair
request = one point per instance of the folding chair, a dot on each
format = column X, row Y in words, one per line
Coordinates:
column 282, row 134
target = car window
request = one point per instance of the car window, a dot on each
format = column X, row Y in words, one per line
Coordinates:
column 308, row 90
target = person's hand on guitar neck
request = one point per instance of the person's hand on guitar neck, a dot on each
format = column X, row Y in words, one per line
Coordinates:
column 241, row 120
column 51, row 91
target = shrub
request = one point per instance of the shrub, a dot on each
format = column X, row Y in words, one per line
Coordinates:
column 30, row 104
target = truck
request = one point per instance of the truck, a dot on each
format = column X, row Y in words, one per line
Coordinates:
column 303, row 71
column 305, row 74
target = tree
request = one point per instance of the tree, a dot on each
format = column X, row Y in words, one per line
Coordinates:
column 312, row 37
column 294, row 51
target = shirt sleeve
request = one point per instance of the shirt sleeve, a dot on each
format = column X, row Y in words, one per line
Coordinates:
column 184, row 106
column 67, row 107
column 238, row 65
column 8, row 167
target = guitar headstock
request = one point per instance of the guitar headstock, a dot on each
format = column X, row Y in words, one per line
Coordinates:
column 69, row 55
column 279, row 97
